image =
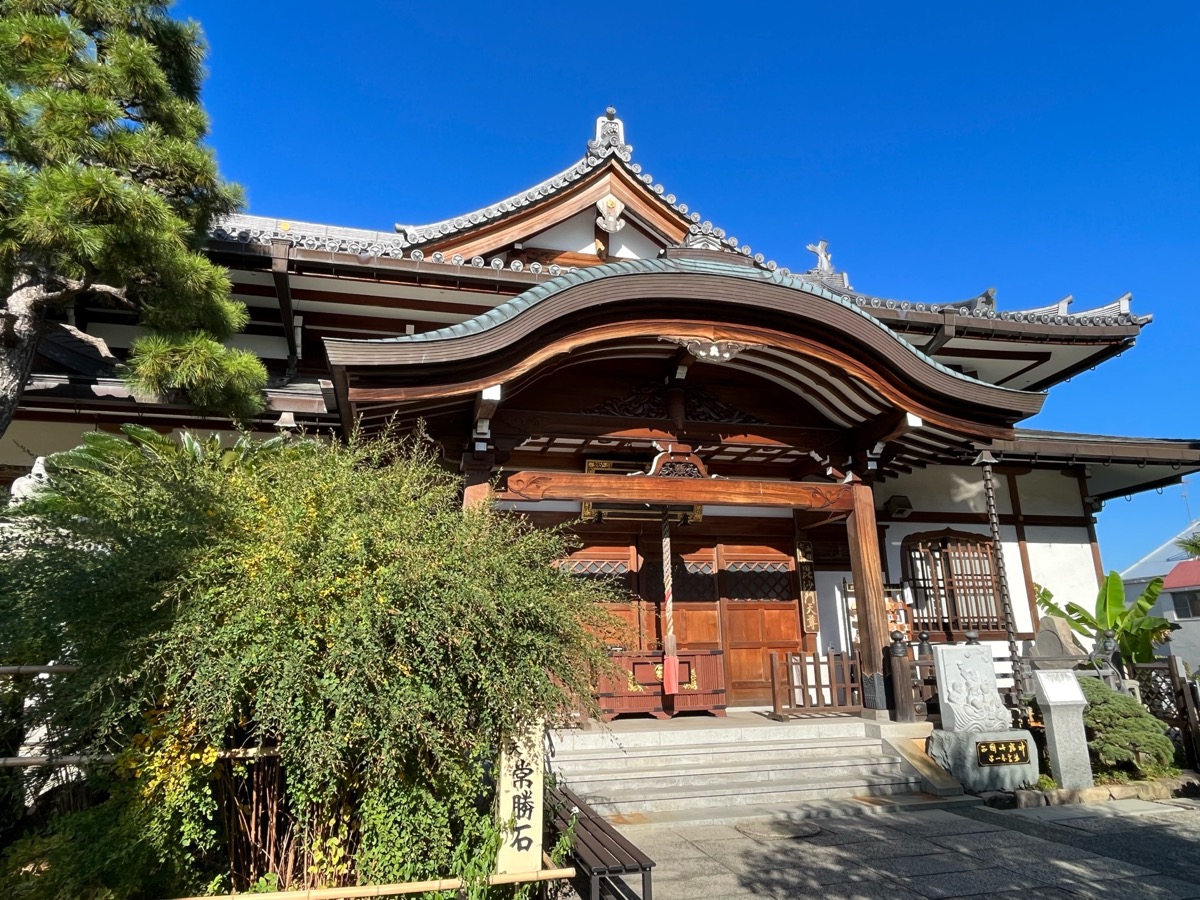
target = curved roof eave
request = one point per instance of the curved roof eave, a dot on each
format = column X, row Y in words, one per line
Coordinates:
column 414, row 348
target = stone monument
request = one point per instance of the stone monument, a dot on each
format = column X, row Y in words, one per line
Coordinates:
column 30, row 485
column 1061, row 701
column 1055, row 646
column 977, row 742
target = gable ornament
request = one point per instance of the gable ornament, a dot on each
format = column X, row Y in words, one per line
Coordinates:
column 610, row 214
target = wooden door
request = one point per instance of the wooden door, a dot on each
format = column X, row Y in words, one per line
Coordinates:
column 694, row 586
column 760, row 610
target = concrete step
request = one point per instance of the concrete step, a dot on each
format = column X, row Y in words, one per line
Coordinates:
column 731, row 794
column 703, row 731
column 858, row 805
column 589, row 781
column 568, row 761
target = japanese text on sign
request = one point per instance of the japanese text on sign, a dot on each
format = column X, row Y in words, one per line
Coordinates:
column 1001, row 753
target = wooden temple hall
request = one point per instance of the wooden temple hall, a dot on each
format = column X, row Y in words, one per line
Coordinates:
column 817, row 466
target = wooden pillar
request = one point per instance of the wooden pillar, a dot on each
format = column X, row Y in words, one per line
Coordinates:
column 866, row 565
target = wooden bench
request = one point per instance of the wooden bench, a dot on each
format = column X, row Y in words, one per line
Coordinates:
column 598, row 850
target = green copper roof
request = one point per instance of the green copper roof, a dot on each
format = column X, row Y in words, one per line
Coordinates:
column 539, row 293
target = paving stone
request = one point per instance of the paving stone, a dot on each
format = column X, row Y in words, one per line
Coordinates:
column 869, row 890
column 991, row 880
column 1068, row 872
column 809, row 881
column 1013, row 845
column 696, row 833
column 844, row 832
column 927, row 864
column 938, row 822
column 728, row 885
column 1153, row 887
column 889, row 849
column 668, row 847
column 1049, row 893
column 689, row 869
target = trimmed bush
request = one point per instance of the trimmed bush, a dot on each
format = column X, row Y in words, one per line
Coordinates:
column 1122, row 735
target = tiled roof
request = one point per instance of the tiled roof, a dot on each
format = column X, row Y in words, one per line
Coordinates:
column 1161, row 560
column 609, row 144
column 1185, row 575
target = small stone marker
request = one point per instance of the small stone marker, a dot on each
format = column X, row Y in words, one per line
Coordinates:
column 1055, row 640
column 520, row 793
column 976, row 742
column 1062, row 702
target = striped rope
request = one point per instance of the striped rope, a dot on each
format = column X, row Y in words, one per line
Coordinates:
column 668, row 602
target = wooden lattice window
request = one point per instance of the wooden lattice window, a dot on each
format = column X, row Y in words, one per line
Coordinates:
column 613, row 570
column 952, row 576
column 751, row 581
column 690, row 580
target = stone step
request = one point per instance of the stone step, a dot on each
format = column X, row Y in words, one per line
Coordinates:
column 703, row 731
column 630, row 824
column 567, row 761
column 592, row 781
column 731, row 794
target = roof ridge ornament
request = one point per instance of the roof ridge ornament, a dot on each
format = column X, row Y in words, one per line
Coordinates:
column 824, row 258
column 610, row 137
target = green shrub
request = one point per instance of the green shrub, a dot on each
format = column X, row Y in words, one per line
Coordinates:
column 304, row 657
column 1122, row 735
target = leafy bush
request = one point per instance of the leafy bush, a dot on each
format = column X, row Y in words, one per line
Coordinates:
column 1122, row 735
column 304, row 657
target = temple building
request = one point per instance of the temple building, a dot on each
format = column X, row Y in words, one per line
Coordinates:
column 822, row 466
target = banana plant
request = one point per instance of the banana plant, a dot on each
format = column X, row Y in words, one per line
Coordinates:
column 1135, row 630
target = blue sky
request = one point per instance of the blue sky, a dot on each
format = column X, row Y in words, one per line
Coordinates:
column 941, row 148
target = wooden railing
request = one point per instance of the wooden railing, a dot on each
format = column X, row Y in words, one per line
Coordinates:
column 805, row 684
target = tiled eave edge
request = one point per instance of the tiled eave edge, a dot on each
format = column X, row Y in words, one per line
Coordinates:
column 344, row 351
column 893, row 312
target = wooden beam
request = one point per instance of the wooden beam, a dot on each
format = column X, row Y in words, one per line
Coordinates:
column 647, row 489
column 532, row 423
column 942, row 336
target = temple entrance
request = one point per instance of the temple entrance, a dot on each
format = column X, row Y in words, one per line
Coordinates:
column 738, row 597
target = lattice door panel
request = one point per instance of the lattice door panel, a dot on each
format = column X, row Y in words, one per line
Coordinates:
column 599, row 568
column 747, row 582
column 690, row 581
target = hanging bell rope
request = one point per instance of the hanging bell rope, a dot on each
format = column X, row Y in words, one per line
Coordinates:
column 670, row 651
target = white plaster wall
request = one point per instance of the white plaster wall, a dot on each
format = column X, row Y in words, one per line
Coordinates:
column 24, row 441
column 944, row 489
column 629, row 243
column 1049, row 493
column 576, row 235
column 1060, row 558
column 832, row 610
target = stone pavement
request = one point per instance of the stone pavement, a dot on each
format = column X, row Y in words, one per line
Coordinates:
column 1128, row 849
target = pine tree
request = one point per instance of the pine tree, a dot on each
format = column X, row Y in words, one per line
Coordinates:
column 106, row 193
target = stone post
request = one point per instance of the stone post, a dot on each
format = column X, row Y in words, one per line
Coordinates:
column 1061, row 700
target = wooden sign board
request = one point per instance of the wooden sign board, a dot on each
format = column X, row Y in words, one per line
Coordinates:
column 520, row 792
